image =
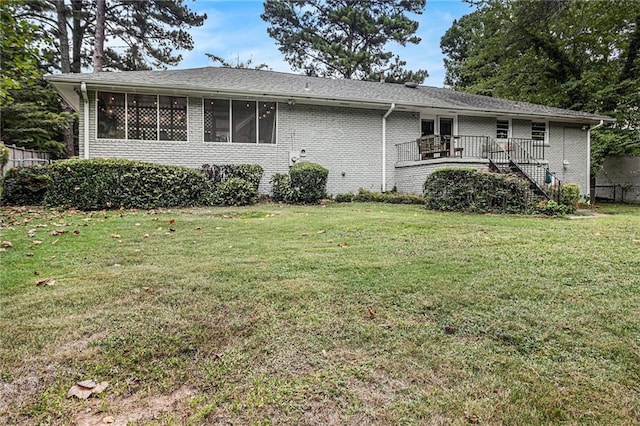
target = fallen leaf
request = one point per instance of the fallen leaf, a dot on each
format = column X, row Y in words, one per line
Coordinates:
column 31, row 233
column 199, row 228
column 115, row 236
column 36, row 242
column 108, row 420
column 76, row 232
column 343, row 245
column 321, row 231
column 159, row 228
column 137, row 224
column 54, row 242
column 218, row 227
column 372, row 313
column 89, row 384
column 79, row 392
column 100, row 387
column 330, row 241
column 172, row 229
column 146, row 235
column 45, row 282
column 6, row 244
column 172, row 221
column 305, row 234
column 2, row 249
column 148, row 289
column 29, row 254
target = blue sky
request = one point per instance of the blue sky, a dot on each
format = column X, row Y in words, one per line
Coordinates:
column 234, row 29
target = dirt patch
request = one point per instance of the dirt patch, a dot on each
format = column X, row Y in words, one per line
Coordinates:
column 133, row 409
column 19, row 390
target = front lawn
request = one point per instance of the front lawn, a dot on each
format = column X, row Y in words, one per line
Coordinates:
column 344, row 314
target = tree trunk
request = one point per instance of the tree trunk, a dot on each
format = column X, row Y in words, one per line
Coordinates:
column 65, row 61
column 77, row 35
column 98, row 49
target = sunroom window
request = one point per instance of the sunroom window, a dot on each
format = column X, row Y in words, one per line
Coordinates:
column 239, row 121
column 141, row 117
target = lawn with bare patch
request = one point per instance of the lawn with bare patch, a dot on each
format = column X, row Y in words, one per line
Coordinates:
column 337, row 314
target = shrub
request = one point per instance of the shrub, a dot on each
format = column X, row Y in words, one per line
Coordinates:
column 235, row 192
column 217, row 174
column 388, row 197
column 551, row 208
column 570, row 195
column 4, row 155
column 308, row 182
column 344, row 198
column 26, row 186
column 469, row 190
column 101, row 184
column 281, row 188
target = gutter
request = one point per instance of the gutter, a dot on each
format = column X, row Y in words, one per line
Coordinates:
column 384, row 146
column 85, row 110
column 588, row 192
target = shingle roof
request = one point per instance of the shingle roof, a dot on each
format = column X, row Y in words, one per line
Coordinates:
column 278, row 84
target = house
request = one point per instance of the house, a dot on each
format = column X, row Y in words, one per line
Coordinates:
column 371, row 135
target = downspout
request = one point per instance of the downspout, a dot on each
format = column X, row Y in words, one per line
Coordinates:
column 384, row 146
column 588, row 192
column 85, row 110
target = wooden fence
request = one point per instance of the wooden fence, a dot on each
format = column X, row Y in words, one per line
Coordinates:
column 19, row 157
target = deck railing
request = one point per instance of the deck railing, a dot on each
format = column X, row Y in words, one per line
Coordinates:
column 469, row 147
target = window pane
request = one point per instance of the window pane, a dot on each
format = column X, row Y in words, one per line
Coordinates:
column 142, row 117
column 216, row 120
column 502, row 129
column 538, row 131
column 446, row 126
column 244, row 121
column 111, row 115
column 428, row 127
column 267, row 121
column 173, row 118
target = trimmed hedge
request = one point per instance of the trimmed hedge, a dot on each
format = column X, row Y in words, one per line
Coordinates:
column 217, row 174
column 105, row 184
column 306, row 183
column 25, row 186
column 470, row 190
column 387, row 197
column 235, row 192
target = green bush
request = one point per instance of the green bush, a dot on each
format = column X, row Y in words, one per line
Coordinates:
column 4, row 155
column 281, row 188
column 217, row 174
column 308, row 182
column 235, row 192
column 570, row 195
column 388, row 197
column 102, row 184
column 469, row 190
column 551, row 208
column 349, row 197
column 25, row 186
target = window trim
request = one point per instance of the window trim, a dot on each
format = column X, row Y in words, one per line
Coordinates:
column 126, row 120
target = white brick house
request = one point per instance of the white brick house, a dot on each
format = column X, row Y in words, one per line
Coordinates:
column 365, row 133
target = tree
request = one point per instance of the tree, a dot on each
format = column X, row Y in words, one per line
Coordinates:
column 342, row 38
column 18, row 56
column 238, row 64
column 573, row 54
column 143, row 34
column 34, row 119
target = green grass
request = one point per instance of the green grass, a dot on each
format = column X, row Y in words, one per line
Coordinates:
column 343, row 314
